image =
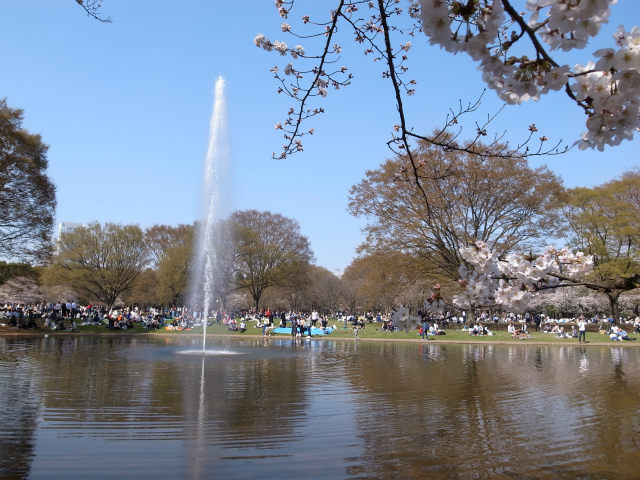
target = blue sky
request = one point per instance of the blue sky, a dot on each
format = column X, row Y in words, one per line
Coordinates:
column 125, row 109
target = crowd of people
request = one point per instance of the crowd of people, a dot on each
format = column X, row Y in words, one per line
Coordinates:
column 62, row 316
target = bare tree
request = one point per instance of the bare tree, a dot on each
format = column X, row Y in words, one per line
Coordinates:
column 496, row 200
column 271, row 251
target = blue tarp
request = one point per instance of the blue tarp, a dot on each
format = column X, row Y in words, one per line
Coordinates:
column 314, row 331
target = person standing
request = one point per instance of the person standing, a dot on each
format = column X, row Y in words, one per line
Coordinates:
column 425, row 329
column 582, row 330
column 303, row 326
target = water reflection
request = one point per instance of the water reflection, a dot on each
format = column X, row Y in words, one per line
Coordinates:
column 80, row 407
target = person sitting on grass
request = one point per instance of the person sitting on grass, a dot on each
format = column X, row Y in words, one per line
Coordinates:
column 622, row 335
column 477, row 330
column 511, row 329
column 243, row 326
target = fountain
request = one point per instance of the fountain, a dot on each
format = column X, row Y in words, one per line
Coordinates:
column 216, row 162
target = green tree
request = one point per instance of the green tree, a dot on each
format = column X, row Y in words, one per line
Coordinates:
column 174, row 270
column 27, row 194
column 143, row 291
column 99, row 262
column 226, row 262
column 13, row 270
column 604, row 221
column 456, row 199
column 271, row 251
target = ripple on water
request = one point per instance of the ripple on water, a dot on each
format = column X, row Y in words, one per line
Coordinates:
column 206, row 352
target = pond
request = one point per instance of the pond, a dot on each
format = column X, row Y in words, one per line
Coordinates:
column 139, row 407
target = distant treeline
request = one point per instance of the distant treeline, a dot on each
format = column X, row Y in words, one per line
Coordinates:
column 12, row 270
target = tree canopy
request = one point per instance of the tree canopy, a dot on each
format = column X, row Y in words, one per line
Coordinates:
column 383, row 280
column 458, row 199
column 604, row 222
column 99, row 262
column 161, row 238
column 271, row 251
column 27, row 194
column 173, row 271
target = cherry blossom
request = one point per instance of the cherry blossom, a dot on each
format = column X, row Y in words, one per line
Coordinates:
column 404, row 321
column 608, row 90
column 511, row 282
column 516, row 51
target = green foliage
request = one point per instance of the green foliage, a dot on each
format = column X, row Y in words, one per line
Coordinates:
column 174, row 270
column 604, row 221
column 13, row 270
column 27, row 194
column 99, row 262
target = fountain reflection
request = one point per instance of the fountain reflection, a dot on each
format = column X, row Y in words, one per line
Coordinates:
column 316, row 409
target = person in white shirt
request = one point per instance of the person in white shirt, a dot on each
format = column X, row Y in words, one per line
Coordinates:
column 582, row 330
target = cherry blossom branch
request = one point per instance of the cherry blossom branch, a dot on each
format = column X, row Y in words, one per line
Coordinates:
column 92, row 8
column 608, row 92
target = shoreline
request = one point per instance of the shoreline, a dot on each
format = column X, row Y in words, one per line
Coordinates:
column 14, row 332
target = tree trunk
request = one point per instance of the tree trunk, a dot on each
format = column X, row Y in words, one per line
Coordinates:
column 615, row 307
column 471, row 317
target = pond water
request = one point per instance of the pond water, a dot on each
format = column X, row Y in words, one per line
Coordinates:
column 140, row 407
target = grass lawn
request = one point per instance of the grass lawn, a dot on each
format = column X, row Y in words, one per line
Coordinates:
column 370, row 332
